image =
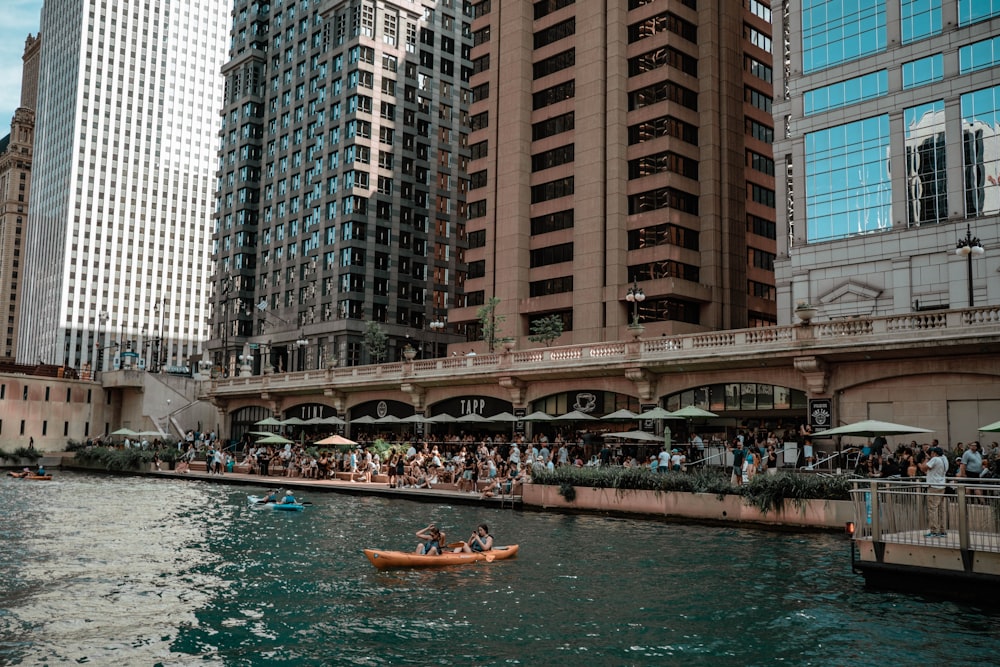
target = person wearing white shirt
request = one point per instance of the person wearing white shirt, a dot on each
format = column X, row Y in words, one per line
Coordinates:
column 936, row 468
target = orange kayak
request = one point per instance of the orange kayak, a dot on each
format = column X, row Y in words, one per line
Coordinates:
column 385, row 560
column 38, row 477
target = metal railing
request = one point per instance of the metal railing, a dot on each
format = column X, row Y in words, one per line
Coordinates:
column 896, row 511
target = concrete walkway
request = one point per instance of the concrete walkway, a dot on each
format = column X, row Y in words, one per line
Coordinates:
column 301, row 485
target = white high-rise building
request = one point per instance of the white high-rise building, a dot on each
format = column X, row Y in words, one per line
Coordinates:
column 120, row 220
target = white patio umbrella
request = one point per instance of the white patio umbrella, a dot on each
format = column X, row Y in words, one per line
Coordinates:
column 538, row 416
column 443, row 418
column 991, row 428
column 621, row 415
column 472, row 418
column 870, row 428
column 388, row 419
column 657, row 413
column 268, row 421
column 413, row 419
column 335, row 440
column 574, row 416
column 333, row 421
column 293, row 421
column 504, row 417
column 275, row 439
column 366, row 419
column 634, row 435
column 690, row 411
column 125, row 431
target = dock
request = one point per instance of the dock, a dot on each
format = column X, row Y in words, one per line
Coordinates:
column 892, row 546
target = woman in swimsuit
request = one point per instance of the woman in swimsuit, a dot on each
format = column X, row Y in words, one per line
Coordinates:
column 433, row 541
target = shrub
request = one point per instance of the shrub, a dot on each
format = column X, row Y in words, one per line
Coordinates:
column 765, row 492
column 21, row 453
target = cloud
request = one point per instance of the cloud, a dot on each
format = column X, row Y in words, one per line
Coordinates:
column 20, row 18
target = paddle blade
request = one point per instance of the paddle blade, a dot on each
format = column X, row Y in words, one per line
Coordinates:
column 489, row 557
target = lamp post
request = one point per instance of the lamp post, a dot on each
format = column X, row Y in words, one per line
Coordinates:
column 158, row 308
column 437, row 326
column 635, row 296
column 300, row 358
column 969, row 246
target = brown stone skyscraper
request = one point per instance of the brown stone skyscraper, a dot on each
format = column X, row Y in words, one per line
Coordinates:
column 616, row 144
column 16, row 151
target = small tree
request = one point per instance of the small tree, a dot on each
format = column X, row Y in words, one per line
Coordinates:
column 375, row 341
column 546, row 329
column 490, row 323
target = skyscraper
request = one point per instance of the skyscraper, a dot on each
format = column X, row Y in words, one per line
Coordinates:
column 16, row 150
column 119, row 225
column 889, row 156
column 621, row 145
column 341, row 189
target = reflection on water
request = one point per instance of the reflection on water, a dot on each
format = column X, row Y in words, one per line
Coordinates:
column 111, row 570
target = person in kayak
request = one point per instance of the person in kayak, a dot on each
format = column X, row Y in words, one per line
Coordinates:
column 480, row 541
column 271, row 497
column 433, row 541
column 288, row 498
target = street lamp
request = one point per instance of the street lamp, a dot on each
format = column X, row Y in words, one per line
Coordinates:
column 437, row 326
column 970, row 247
column 301, row 344
column 635, row 296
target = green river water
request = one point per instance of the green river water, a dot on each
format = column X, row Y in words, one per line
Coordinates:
column 107, row 570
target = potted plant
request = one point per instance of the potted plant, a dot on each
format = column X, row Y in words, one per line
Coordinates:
column 805, row 311
column 408, row 352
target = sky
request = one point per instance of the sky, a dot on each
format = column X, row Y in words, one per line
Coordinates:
column 19, row 19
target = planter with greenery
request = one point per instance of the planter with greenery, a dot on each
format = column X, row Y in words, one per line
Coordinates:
column 765, row 493
column 132, row 459
column 20, row 455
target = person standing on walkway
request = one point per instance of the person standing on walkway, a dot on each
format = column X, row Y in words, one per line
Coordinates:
column 936, row 468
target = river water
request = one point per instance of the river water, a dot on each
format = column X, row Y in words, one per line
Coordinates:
column 106, row 570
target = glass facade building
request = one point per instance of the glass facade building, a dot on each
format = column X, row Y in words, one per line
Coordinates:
column 890, row 139
column 341, row 181
column 118, row 234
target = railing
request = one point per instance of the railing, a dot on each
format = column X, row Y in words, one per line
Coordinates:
column 956, row 324
column 896, row 511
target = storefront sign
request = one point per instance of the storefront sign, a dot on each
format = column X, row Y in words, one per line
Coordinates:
column 820, row 413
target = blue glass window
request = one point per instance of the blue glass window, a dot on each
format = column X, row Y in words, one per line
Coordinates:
column 836, row 31
column 926, row 180
column 979, row 55
column 923, row 71
column 974, row 11
column 846, row 93
column 981, row 151
column 848, row 190
column 920, row 19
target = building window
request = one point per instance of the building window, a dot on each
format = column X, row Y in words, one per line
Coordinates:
column 555, row 32
column 762, row 227
column 561, row 187
column 761, row 195
column 757, row 99
column 557, row 93
column 551, row 255
column 981, row 151
column 663, row 234
column 666, row 161
column 552, row 222
column 920, row 19
column 664, row 268
column 847, row 92
column 663, row 56
column 559, row 285
column 552, row 126
column 760, row 131
column 660, row 23
column 926, row 179
column 974, row 11
column 761, row 163
column 848, row 190
column 665, row 126
column 923, row 71
column 979, row 55
column 552, row 158
column 759, row 39
column 654, row 200
column 760, row 10
column 545, row 7
column 661, row 92
column 758, row 69
column 837, row 32
column 553, row 64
